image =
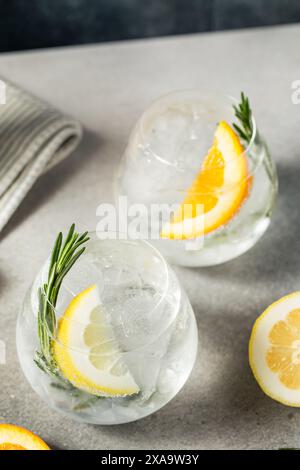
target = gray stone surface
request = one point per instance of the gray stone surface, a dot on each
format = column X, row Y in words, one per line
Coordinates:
column 107, row 87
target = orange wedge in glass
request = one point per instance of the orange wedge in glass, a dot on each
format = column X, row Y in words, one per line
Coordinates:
column 218, row 191
column 16, row 438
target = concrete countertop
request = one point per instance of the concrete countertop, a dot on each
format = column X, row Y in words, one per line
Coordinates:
column 106, row 87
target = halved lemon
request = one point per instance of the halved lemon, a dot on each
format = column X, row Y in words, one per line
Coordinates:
column 86, row 349
column 274, row 350
column 16, row 438
column 218, row 191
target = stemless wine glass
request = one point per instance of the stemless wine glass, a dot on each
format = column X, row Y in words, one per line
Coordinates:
column 125, row 336
column 185, row 150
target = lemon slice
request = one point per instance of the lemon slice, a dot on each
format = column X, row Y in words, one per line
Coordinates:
column 16, row 438
column 219, row 190
column 274, row 350
column 86, row 350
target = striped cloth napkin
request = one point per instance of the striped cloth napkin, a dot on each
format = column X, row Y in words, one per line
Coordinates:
column 33, row 137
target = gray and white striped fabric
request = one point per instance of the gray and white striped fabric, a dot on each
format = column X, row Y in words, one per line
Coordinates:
column 33, row 137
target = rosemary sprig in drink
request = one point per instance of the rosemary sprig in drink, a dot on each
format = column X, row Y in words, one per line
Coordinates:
column 243, row 113
column 64, row 254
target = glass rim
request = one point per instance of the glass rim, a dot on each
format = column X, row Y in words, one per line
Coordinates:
column 229, row 98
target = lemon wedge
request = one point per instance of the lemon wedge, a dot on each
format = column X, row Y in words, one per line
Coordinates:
column 86, row 349
column 274, row 350
column 219, row 189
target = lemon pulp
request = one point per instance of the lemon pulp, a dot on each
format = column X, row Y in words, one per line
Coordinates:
column 86, row 349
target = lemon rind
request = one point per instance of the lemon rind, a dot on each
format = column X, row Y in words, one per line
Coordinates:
column 269, row 393
column 67, row 364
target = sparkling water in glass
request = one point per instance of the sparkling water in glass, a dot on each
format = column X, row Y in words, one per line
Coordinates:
column 164, row 155
column 145, row 313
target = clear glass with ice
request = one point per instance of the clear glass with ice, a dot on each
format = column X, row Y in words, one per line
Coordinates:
column 162, row 159
column 146, row 312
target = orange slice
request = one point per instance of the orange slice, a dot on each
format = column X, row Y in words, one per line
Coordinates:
column 16, row 438
column 217, row 192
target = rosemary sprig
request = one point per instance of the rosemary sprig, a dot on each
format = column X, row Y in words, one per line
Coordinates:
column 243, row 113
column 64, row 254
